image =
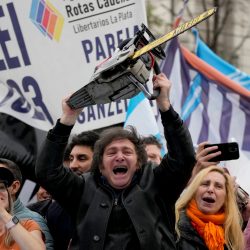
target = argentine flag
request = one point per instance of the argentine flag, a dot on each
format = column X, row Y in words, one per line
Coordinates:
column 207, row 55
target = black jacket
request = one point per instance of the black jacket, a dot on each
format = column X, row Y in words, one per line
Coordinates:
column 189, row 237
column 58, row 220
column 148, row 202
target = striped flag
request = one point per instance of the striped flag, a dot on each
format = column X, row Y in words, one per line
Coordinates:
column 207, row 55
column 214, row 107
column 210, row 103
column 241, row 167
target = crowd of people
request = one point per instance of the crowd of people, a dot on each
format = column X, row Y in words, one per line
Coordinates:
column 115, row 190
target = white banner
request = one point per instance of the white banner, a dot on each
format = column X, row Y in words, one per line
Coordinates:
column 49, row 49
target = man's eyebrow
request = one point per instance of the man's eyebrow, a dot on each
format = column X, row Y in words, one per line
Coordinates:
column 78, row 154
column 82, row 155
column 114, row 147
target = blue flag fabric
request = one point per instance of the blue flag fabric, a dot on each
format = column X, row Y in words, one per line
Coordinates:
column 207, row 55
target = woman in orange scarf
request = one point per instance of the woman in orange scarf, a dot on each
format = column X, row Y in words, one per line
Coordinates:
column 207, row 216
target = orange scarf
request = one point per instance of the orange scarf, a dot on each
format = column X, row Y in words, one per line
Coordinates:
column 209, row 226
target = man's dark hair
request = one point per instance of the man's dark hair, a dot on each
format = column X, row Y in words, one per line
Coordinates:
column 151, row 140
column 108, row 135
column 12, row 166
column 87, row 138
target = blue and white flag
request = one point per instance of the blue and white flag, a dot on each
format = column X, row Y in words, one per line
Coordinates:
column 210, row 103
column 207, row 55
column 214, row 107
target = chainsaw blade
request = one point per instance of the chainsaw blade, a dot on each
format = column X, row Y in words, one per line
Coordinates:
column 180, row 29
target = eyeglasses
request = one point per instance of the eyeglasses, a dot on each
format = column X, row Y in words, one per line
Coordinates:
column 3, row 187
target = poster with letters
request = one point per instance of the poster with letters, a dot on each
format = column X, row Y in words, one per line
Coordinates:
column 49, row 49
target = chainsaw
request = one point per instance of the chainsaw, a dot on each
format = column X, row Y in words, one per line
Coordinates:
column 128, row 70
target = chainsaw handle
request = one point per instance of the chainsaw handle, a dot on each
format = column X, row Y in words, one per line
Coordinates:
column 156, row 91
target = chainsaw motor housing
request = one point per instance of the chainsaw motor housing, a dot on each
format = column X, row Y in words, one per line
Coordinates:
column 118, row 77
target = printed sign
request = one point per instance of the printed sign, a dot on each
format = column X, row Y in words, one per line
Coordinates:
column 49, row 49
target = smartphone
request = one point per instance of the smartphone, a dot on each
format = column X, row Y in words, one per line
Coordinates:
column 229, row 151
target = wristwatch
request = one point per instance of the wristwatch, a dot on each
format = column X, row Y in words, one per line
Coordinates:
column 12, row 222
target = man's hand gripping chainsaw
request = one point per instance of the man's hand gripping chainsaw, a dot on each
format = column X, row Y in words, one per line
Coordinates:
column 126, row 73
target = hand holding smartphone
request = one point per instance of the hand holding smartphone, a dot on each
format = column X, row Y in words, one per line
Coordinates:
column 229, row 151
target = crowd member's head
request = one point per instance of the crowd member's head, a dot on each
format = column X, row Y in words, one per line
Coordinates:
column 118, row 155
column 80, row 151
column 210, row 204
column 22, row 237
column 6, row 179
column 17, row 175
column 153, row 148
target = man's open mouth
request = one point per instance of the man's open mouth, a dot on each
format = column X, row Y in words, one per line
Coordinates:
column 120, row 170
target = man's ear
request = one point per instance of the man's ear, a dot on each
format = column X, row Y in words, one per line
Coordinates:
column 14, row 188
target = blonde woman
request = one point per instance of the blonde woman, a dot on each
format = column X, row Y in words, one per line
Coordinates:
column 207, row 216
column 15, row 234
